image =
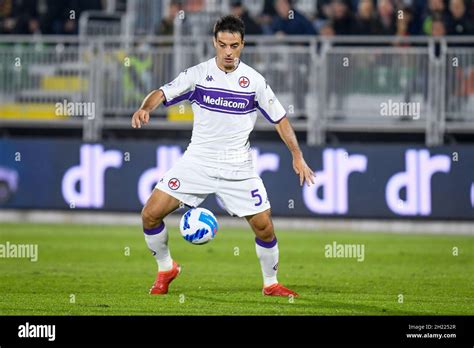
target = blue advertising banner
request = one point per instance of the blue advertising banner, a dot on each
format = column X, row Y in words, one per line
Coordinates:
column 356, row 181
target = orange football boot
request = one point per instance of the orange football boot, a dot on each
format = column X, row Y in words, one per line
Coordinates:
column 163, row 280
column 278, row 290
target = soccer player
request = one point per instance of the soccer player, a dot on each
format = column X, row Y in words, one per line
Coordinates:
column 225, row 94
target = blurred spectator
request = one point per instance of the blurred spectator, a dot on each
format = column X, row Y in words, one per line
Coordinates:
column 386, row 15
column 266, row 17
column 166, row 26
column 438, row 27
column 323, row 9
column 327, row 30
column 36, row 16
column 70, row 26
column 343, row 17
column 418, row 7
column 52, row 18
column 43, row 16
column 436, row 8
column 342, row 20
column 251, row 26
column 21, row 16
column 7, row 16
column 289, row 21
column 366, row 20
column 323, row 14
column 459, row 22
column 404, row 19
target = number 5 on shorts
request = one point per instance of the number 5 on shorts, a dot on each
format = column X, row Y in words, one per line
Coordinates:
column 255, row 194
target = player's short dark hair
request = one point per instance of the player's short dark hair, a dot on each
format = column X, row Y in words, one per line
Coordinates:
column 231, row 24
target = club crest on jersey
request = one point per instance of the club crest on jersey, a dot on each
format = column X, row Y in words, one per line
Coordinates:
column 174, row 184
column 244, row 82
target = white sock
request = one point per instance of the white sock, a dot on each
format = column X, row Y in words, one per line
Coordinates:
column 267, row 253
column 157, row 241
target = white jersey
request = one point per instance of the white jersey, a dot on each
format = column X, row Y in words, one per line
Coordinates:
column 225, row 109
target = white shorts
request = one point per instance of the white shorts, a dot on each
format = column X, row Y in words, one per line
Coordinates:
column 239, row 188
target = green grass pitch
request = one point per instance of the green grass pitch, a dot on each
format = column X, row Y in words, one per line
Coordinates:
column 89, row 264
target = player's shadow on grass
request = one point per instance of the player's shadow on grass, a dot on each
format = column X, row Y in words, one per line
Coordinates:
column 359, row 309
column 316, row 305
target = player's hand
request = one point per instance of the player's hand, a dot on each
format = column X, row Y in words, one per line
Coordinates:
column 301, row 168
column 140, row 117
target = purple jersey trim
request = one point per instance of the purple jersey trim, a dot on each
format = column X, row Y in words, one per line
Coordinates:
column 225, row 90
column 267, row 116
column 267, row 245
column 213, row 100
column 280, row 119
column 156, row 230
column 178, row 99
column 221, row 111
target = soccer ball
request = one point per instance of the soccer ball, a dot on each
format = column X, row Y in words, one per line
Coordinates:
column 198, row 226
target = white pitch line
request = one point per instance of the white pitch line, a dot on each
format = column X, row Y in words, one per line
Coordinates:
column 312, row 224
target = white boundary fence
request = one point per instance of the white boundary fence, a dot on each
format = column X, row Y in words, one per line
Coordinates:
column 381, row 84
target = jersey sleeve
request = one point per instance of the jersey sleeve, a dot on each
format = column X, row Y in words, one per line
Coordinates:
column 181, row 87
column 267, row 103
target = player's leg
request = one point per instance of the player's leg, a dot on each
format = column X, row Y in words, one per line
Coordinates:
column 176, row 185
column 266, row 246
column 158, row 206
column 244, row 194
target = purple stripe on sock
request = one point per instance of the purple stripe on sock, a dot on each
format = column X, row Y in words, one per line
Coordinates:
column 266, row 244
column 156, row 230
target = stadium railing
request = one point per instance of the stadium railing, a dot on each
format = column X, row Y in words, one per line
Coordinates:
column 380, row 84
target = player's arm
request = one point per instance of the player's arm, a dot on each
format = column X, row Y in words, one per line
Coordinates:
column 287, row 134
column 171, row 93
column 150, row 103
